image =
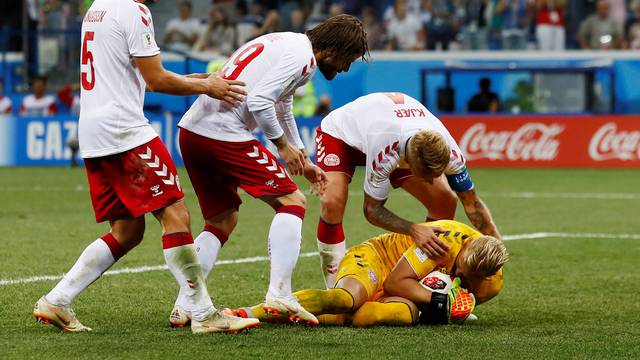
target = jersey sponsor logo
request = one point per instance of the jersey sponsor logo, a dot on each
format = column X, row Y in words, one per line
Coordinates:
column 332, row 160
column 608, row 143
column 94, row 16
column 422, row 257
column 532, row 141
column 155, row 190
column 372, row 276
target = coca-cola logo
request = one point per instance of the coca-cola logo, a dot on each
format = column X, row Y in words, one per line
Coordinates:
column 608, row 143
column 532, row 141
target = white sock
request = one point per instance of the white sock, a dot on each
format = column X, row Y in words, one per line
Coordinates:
column 207, row 247
column 94, row 260
column 285, row 236
column 184, row 265
column 330, row 257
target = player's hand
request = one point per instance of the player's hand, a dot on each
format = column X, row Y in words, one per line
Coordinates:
column 225, row 90
column 426, row 238
column 293, row 158
column 461, row 303
column 317, row 177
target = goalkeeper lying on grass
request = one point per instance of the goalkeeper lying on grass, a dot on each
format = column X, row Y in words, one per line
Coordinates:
column 379, row 281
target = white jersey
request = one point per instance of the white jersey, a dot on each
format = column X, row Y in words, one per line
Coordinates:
column 380, row 125
column 273, row 66
column 112, row 92
column 6, row 105
column 38, row 106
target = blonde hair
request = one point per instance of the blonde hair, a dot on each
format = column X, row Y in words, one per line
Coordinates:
column 485, row 255
column 429, row 153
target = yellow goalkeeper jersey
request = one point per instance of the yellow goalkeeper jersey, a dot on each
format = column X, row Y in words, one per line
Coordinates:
column 392, row 247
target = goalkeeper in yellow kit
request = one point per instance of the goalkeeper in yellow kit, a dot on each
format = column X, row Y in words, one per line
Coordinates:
column 378, row 281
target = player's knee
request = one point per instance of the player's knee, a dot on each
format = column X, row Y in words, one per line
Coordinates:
column 129, row 233
column 332, row 206
column 174, row 218
column 413, row 308
column 225, row 222
column 296, row 198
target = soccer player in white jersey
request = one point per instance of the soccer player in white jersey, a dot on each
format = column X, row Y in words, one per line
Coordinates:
column 221, row 154
column 129, row 169
column 401, row 144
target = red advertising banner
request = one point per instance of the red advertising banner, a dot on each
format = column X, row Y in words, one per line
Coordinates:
column 548, row 141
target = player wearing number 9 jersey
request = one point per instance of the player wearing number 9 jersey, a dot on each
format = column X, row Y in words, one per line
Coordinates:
column 401, row 144
column 221, row 154
column 129, row 169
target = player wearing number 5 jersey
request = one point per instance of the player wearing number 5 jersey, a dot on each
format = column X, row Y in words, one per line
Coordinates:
column 221, row 154
column 130, row 171
column 401, row 144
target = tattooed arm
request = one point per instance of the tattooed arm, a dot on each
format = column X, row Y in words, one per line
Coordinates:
column 424, row 236
column 478, row 213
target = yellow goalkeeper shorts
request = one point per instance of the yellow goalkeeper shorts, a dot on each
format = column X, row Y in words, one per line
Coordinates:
column 362, row 263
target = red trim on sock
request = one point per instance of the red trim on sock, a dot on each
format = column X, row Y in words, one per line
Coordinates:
column 176, row 239
column 217, row 232
column 330, row 233
column 117, row 251
column 294, row 210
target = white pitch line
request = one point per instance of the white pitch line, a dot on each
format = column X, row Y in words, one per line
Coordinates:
column 140, row 269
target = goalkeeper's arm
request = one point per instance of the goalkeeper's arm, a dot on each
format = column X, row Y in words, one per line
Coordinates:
column 439, row 308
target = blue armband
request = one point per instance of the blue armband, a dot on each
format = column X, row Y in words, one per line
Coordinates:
column 461, row 181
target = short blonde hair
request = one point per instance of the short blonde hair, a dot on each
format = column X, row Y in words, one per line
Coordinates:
column 429, row 153
column 485, row 255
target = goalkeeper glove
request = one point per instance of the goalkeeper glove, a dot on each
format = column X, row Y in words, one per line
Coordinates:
column 461, row 303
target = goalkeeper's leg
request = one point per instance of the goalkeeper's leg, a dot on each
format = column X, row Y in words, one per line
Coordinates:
column 388, row 311
column 348, row 296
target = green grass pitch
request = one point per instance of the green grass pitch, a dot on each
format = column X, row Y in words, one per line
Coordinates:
column 564, row 297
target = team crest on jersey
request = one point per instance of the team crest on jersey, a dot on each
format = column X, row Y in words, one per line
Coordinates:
column 332, row 160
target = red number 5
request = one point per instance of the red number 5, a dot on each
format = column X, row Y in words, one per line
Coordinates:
column 241, row 60
column 87, row 58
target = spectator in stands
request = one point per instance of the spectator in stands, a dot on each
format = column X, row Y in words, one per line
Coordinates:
column 6, row 105
column 442, row 28
column 375, row 34
column 473, row 32
column 336, row 9
column 219, row 36
column 70, row 96
column 484, row 101
column 632, row 26
column 271, row 24
column 404, row 31
column 182, row 32
column 515, row 19
column 39, row 103
column 297, row 22
column 600, row 31
column 550, row 31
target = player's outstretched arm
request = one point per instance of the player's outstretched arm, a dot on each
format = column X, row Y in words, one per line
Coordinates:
column 424, row 236
column 478, row 213
column 160, row 80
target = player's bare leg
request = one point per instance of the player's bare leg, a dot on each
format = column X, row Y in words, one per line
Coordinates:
column 437, row 197
column 285, row 236
column 55, row 307
column 331, row 239
column 216, row 231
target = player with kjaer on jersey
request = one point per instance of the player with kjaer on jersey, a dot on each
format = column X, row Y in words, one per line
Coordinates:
column 221, row 154
column 129, row 169
column 401, row 144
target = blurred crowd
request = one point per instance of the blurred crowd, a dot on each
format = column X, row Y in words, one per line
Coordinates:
column 414, row 25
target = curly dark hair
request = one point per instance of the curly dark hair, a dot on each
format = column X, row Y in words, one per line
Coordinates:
column 343, row 35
